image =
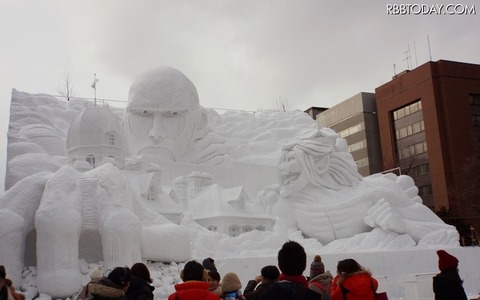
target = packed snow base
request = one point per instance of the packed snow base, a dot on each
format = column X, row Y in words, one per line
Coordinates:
column 168, row 180
column 404, row 275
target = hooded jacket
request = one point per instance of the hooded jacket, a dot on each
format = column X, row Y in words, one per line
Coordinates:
column 357, row 286
column 193, row 290
column 105, row 289
column 321, row 284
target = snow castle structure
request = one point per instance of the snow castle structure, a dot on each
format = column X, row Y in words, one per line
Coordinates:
column 168, row 180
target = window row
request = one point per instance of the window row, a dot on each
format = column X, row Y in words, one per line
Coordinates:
column 425, row 190
column 418, row 170
column 407, row 110
column 412, row 150
column 351, row 130
column 476, row 120
column 362, row 162
column 357, row 146
column 235, row 230
column 410, row 130
column 474, row 99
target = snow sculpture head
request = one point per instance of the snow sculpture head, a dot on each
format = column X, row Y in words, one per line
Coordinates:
column 318, row 157
column 163, row 116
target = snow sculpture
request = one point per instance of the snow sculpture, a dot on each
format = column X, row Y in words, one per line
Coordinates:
column 331, row 201
column 75, row 203
column 96, row 212
column 163, row 119
column 319, row 191
column 95, row 136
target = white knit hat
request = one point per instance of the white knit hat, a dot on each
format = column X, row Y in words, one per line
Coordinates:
column 97, row 273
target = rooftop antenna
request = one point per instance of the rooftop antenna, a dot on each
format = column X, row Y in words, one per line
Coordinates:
column 394, row 70
column 415, row 50
column 429, row 50
column 94, row 86
column 407, row 57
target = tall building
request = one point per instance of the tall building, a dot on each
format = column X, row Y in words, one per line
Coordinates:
column 429, row 122
column 355, row 120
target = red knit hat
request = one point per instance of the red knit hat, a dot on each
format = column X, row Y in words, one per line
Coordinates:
column 446, row 261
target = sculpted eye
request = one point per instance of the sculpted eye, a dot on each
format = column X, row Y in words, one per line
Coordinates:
column 141, row 113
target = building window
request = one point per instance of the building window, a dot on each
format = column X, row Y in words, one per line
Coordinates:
column 111, row 139
column 425, row 190
column 362, row 162
column 260, row 228
column 407, row 110
column 476, row 120
column 357, row 146
column 91, row 159
column 418, row 170
column 351, row 130
column 413, row 150
column 410, row 130
column 234, row 230
column 151, row 195
column 474, row 99
column 247, row 228
column 212, row 228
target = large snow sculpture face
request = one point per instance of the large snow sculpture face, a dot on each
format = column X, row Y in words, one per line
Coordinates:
column 163, row 115
column 318, row 157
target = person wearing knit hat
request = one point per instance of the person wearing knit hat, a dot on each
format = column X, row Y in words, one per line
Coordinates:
column 447, row 285
column 95, row 275
column 316, row 267
column 231, row 287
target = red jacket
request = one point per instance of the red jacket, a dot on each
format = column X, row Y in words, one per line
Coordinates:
column 359, row 286
column 193, row 290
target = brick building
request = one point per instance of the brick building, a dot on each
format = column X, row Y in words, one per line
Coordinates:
column 429, row 124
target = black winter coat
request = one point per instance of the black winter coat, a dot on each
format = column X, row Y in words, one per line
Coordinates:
column 287, row 290
column 447, row 289
column 252, row 293
column 139, row 290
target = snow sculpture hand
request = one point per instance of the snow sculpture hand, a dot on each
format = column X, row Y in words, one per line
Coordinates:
column 383, row 215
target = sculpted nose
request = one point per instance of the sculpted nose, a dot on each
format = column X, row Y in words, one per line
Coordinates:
column 157, row 130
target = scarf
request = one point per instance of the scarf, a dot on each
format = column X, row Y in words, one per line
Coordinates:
column 294, row 278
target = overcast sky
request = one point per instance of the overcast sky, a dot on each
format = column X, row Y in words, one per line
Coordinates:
column 240, row 54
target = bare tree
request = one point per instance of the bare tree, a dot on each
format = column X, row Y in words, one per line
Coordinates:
column 282, row 104
column 65, row 90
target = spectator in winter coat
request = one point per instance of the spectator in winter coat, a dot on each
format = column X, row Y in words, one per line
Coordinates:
column 112, row 287
column 231, row 287
column 209, row 264
column 353, row 282
column 316, row 267
column 291, row 284
column 447, row 285
column 321, row 284
column 7, row 290
column 140, row 288
column 95, row 276
column 269, row 275
column 213, row 278
column 193, row 286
